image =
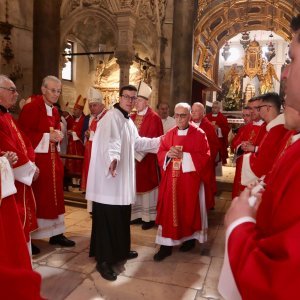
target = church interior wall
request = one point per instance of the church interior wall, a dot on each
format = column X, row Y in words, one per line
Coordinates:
column 20, row 15
column 165, row 53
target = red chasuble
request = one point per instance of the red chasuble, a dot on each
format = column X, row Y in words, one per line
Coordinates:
column 178, row 210
column 221, row 121
column 12, row 139
column 147, row 171
column 214, row 146
column 48, row 188
column 74, row 166
column 265, row 257
column 88, row 150
column 251, row 133
column 270, row 147
column 17, row 279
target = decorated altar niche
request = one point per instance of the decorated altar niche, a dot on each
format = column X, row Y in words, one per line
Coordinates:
column 232, row 87
column 257, row 75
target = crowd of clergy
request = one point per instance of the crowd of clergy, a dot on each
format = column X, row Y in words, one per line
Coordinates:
column 138, row 166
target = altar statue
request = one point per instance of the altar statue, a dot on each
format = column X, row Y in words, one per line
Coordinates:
column 266, row 80
column 233, row 80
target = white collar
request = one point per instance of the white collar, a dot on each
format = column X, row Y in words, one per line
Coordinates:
column 277, row 121
column 143, row 112
column 295, row 138
column 182, row 132
column 258, row 123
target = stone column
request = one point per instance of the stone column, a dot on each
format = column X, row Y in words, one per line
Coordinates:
column 182, row 52
column 124, row 60
column 46, row 40
column 125, row 51
column 154, row 85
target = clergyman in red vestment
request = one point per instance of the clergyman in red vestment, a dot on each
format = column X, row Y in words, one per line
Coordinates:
column 248, row 135
column 222, row 128
column 75, row 139
column 40, row 121
column 202, row 122
column 148, row 124
column 258, row 164
column 25, row 170
column 262, row 247
column 18, row 280
column 98, row 110
column 184, row 158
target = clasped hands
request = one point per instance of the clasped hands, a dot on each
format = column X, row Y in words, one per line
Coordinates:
column 240, row 206
column 12, row 157
column 247, row 146
column 175, row 152
column 56, row 136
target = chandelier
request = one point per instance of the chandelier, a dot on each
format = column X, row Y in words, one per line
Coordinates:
column 5, row 29
column 226, row 51
column 13, row 70
column 271, row 51
column 206, row 63
column 245, row 39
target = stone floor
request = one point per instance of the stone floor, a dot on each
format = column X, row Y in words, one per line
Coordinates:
column 69, row 273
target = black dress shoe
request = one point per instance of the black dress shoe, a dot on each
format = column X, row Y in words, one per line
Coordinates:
column 187, row 245
column 61, row 240
column 106, row 271
column 148, row 225
column 34, row 249
column 132, row 254
column 136, row 221
column 164, row 251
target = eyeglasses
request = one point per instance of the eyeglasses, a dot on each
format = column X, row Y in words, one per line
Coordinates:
column 53, row 91
column 11, row 89
column 261, row 106
column 127, row 97
column 181, row 116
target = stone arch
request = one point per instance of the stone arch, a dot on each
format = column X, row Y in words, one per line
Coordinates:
column 83, row 14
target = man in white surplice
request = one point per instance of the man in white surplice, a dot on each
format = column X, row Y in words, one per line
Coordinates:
column 111, row 183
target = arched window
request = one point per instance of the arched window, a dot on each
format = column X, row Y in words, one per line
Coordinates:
column 67, row 71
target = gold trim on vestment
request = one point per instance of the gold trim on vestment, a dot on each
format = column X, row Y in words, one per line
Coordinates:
column 53, row 156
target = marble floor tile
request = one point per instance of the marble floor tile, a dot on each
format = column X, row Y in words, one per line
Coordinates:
column 57, row 283
column 69, row 273
column 212, row 278
column 87, row 290
column 57, row 259
column 218, row 245
column 81, row 263
column 128, row 288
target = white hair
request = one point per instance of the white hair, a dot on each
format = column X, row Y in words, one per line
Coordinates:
column 50, row 78
column 4, row 78
column 184, row 105
column 199, row 104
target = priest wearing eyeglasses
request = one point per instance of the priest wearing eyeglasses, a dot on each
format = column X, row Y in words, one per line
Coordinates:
column 184, row 158
column 111, row 183
column 40, row 121
column 12, row 139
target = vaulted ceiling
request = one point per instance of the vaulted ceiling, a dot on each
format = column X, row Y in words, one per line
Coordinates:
column 219, row 20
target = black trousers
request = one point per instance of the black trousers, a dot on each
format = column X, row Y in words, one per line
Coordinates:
column 110, row 238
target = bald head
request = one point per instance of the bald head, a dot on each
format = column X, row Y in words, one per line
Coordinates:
column 197, row 112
